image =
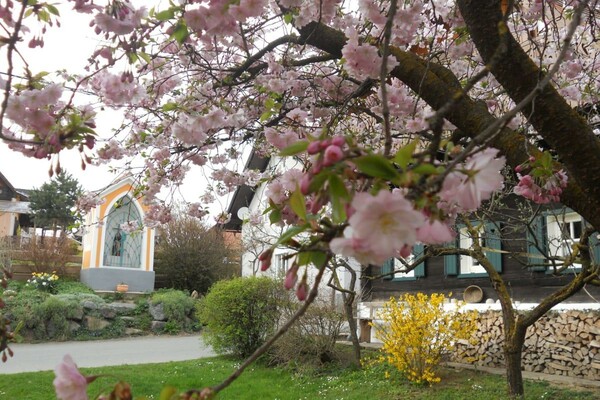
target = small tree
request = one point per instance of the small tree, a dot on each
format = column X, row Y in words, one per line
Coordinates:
column 192, row 256
column 53, row 204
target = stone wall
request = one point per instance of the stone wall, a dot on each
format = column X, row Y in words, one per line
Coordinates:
column 560, row 343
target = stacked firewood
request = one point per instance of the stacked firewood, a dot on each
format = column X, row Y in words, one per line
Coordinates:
column 560, row 343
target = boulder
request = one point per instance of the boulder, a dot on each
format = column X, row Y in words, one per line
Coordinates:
column 157, row 311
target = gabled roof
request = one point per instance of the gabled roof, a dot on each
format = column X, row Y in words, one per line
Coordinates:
column 244, row 194
column 6, row 182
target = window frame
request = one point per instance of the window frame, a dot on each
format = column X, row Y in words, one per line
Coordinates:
column 493, row 240
column 417, row 272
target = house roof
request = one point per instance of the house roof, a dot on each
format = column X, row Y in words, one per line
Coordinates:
column 244, row 194
column 19, row 207
column 6, row 182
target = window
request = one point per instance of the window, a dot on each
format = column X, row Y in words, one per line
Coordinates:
column 564, row 230
column 467, row 267
column 394, row 264
column 281, row 263
column 553, row 234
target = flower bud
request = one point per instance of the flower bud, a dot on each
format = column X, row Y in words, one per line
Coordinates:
column 302, row 289
column 265, row 259
column 291, row 277
column 333, row 154
column 314, row 147
column 338, row 141
column 305, row 184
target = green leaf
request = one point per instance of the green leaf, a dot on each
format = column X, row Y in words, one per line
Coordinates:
column 265, row 116
column 166, row 14
column 426, row 169
column 132, row 57
column 318, row 258
column 317, row 182
column 180, row 33
column 294, row 148
column 337, row 187
column 404, row 155
column 269, row 104
column 145, row 57
column 287, row 18
column 376, row 166
column 167, row 393
column 290, row 233
column 53, row 10
column 170, row 107
column 275, row 216
column 298, row 204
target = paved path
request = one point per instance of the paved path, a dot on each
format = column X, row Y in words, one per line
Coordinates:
column 99, row 353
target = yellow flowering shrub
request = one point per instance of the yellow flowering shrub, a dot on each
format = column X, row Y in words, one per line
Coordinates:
column 416, row 331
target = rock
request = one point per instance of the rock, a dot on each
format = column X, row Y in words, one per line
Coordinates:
column 78, row 314
column 74, row 326
column 157, row 311
column 107, row 312
column 133, row 332
column 122, row 308
column 95, row 323
column 158, row 326
column 89, row 305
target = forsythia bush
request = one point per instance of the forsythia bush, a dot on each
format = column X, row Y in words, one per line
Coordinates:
column 416, row 332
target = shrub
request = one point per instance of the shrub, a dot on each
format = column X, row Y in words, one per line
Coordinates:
column 417, row 331
column 240, row 314
column 192, row 257
column 177, row 306
column 48, row 254
column 311, row 340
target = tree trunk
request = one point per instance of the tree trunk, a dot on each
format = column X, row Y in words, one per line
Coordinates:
column 349, row 310
column 513, row 348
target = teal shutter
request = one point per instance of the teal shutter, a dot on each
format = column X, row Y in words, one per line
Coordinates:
column 536, row 240
column 451, row 260
column 387, row 268
column 493, row 241
column 594, row 244
column 418, row 250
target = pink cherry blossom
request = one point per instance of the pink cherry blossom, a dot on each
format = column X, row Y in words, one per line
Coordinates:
column 474, row 181
column 69, row 383
column 551, row 190
column 435, row 232
column 381, row 226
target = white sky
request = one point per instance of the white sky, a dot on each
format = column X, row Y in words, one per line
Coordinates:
column 62, row 50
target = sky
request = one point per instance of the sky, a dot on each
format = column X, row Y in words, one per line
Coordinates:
column 61, row 52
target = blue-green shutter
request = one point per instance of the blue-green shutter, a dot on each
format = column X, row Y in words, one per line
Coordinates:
column 536, row 240
column 595, row 247
column 493, row 241
column 387, row 268
column 451, row 260
column 418, row 250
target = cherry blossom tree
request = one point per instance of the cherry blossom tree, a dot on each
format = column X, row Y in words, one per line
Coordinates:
column 404, row 115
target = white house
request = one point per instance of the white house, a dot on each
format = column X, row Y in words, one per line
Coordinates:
column 248, row 204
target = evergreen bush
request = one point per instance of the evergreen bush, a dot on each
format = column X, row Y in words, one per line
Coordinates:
column 240, row 314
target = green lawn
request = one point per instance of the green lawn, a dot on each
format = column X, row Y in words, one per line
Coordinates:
column 259, row 382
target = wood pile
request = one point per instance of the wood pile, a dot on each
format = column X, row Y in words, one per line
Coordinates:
column 560, row 343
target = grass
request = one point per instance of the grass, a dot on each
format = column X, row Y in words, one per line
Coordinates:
column 260, row 382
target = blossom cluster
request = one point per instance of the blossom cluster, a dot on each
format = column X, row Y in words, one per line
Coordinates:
column 43, row 281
